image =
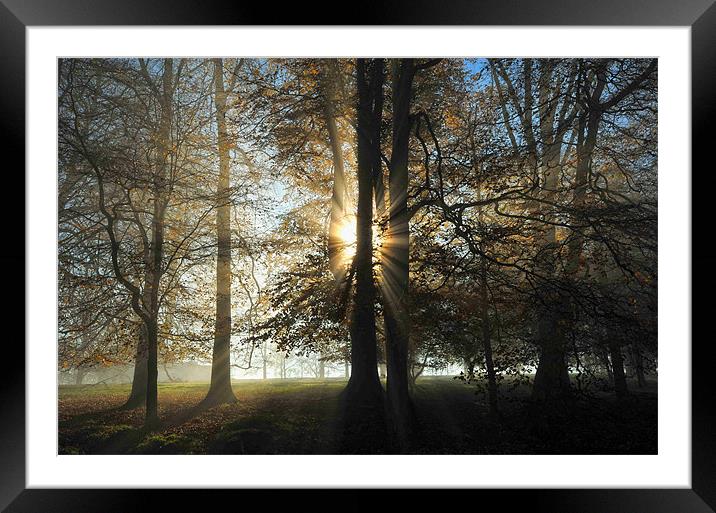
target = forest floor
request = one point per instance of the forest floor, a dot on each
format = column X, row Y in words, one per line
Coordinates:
column 301, row 416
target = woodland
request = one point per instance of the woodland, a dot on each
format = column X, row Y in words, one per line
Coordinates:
column 357, row 255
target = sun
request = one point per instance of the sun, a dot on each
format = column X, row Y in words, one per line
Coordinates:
column 346, row 237
column 347, row 234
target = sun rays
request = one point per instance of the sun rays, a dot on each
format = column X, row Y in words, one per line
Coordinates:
column 347, row 235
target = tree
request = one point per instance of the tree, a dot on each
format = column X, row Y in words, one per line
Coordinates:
column 220, row 388
column 364, row 389
column 117, row 119
column 395, row 254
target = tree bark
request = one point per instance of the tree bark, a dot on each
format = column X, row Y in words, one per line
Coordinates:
column 152, row 417
column 395, row 258
column 138, row 393
column 363, row 418
column 638, row 360
column 485, row 319
column 79, row 376
column 338, row 197
column 364, row 389
column 620, row 384
column 157, row 244
column 152, row 327
column 551, row 385
column 263, row 364
column 604, row 355
column 169, row 376
column 468, row 368
column 220, row 388
column 487, row 342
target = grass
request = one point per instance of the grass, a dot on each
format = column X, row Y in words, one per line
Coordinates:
column 301, row 416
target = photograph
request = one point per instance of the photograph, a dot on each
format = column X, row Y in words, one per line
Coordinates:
column 357, row 255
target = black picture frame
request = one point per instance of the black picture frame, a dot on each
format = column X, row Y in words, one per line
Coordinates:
column 17, row 15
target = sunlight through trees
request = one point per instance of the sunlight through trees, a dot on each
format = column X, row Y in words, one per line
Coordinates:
column 375, row 220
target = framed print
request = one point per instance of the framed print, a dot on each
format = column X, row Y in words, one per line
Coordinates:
column 453, row 247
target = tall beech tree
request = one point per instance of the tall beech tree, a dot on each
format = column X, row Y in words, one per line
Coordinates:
column 220, row 387
column 395, row 252
column 144, row 300
column 118, row 118
column 339, row 212
column 364, row 387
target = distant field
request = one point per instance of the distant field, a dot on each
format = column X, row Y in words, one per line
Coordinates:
column 300, row 416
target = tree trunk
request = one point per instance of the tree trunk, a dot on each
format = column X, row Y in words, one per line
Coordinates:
column 220, row 388
column 166, row 371
column 151, row 419
column 395, row 259
column 364, row 389
column 638, row 360
column 79, row 376
column 604, row 355
column 551, row 386
column 487, row 342
column 484, row 309
column 551, row 392
column 152, row 327
column 620, row 384
column 157, row 245
column 347, row 369
column 321, row 369
column 329, row 77
column 468, row 368
column 138, row 394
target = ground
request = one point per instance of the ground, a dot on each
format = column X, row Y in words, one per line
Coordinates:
column 301, row 416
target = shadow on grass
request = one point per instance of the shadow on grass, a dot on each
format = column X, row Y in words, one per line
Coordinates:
column 360, row 426
column 107, row 432
column 314, row 418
